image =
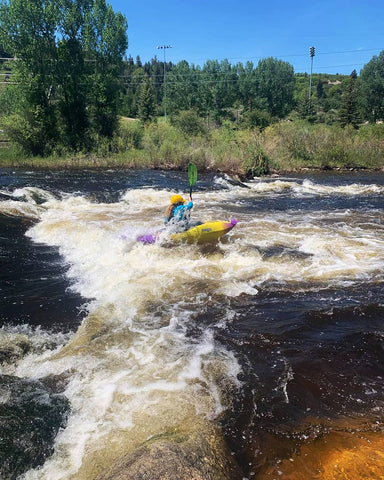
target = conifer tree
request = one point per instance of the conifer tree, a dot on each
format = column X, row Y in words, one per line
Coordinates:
column 305, row 109
column 349, row 110
column 146, row 104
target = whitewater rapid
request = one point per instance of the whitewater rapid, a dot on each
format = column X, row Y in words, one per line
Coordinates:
column 133, row 369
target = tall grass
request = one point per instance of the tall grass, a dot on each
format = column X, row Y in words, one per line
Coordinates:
column 283, row 146
column 293, row 145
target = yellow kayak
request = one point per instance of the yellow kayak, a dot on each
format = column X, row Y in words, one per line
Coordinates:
column 208, row 232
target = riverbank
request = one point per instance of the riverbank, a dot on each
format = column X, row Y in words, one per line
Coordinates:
column 113, row 162
column 283, row 147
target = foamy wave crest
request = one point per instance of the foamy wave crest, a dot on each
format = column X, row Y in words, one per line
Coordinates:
column 353, row 189
column 132, row 366
column 25, row 202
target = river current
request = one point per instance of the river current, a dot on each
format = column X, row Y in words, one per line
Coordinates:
column 275, row 335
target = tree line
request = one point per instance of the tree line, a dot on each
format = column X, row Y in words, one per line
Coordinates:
column 253, row 95
column 68, row 81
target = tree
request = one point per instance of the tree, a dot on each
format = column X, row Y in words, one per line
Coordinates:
column 372, row 88
column 146, row 103
column 181, row 91
column 69, row 58
column 27, row 31
column 256, row 119
column 306, row 109
column 105, row 44
column 349, row 109
column 275, row 85
column 247, row 86
column 320, row 89
column 72, row 73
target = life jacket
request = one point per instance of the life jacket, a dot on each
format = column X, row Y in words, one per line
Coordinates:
column 169, row 212
column 179, row 212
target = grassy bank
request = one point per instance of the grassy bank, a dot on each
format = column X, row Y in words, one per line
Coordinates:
column 285, row 146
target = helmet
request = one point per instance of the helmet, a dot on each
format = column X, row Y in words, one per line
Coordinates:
column 177, row 199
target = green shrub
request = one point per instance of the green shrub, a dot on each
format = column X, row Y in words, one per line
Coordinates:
column 130, row 134
column 255, row 162
column 256, row 119
column 189, row 122
column 30, row 134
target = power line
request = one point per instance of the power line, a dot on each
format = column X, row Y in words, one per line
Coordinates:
column 219, row 76
column 304, row 54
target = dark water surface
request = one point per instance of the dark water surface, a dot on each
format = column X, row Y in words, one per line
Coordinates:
column 293, row 302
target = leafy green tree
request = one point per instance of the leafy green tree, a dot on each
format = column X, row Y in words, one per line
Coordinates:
column 320, row 92
column 349, row 106
column 105, row 43
column 247, row 85
column 181, row 90
column 28, row 32
column 275, row 85
column 372, row 88
column 69, row 57
column 225, row 89
column 72, row 73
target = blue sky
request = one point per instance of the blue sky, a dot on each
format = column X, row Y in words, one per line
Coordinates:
column 346, row 33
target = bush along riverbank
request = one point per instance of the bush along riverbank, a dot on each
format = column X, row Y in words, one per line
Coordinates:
column 281, row 147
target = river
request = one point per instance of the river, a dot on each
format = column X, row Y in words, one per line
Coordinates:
column 274, row 337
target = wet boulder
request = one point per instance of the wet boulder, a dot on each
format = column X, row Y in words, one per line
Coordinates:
column 31, row 414
column 199, row 455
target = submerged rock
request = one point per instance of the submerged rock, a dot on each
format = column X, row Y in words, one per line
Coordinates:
column 235, row 180
column 196, row 456
column 30, row 417
column 13, row 347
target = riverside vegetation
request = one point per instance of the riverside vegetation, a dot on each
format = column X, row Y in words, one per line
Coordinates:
column 69, row 97
column 284, row 146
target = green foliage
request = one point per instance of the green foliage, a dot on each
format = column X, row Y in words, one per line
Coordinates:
column 291, row 145
column 69, row 57
column 8, row 100
column 282, row 146
column 146, row 103
column 131, row 133
column 72, row 82
column 189, row 122
column 255, row 161
column 305, row 108
column 256, row 119
column 349, row 106
column 372, row 88
column 27, row 30
column 29, row 132
column 275, row 84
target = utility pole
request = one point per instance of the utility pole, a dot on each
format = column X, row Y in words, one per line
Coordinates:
column 311, row 54
column 164, row 47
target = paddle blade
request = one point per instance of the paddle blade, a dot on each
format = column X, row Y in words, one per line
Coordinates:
column 192, row 174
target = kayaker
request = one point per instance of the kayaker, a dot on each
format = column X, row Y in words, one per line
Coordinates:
column 178, row 212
